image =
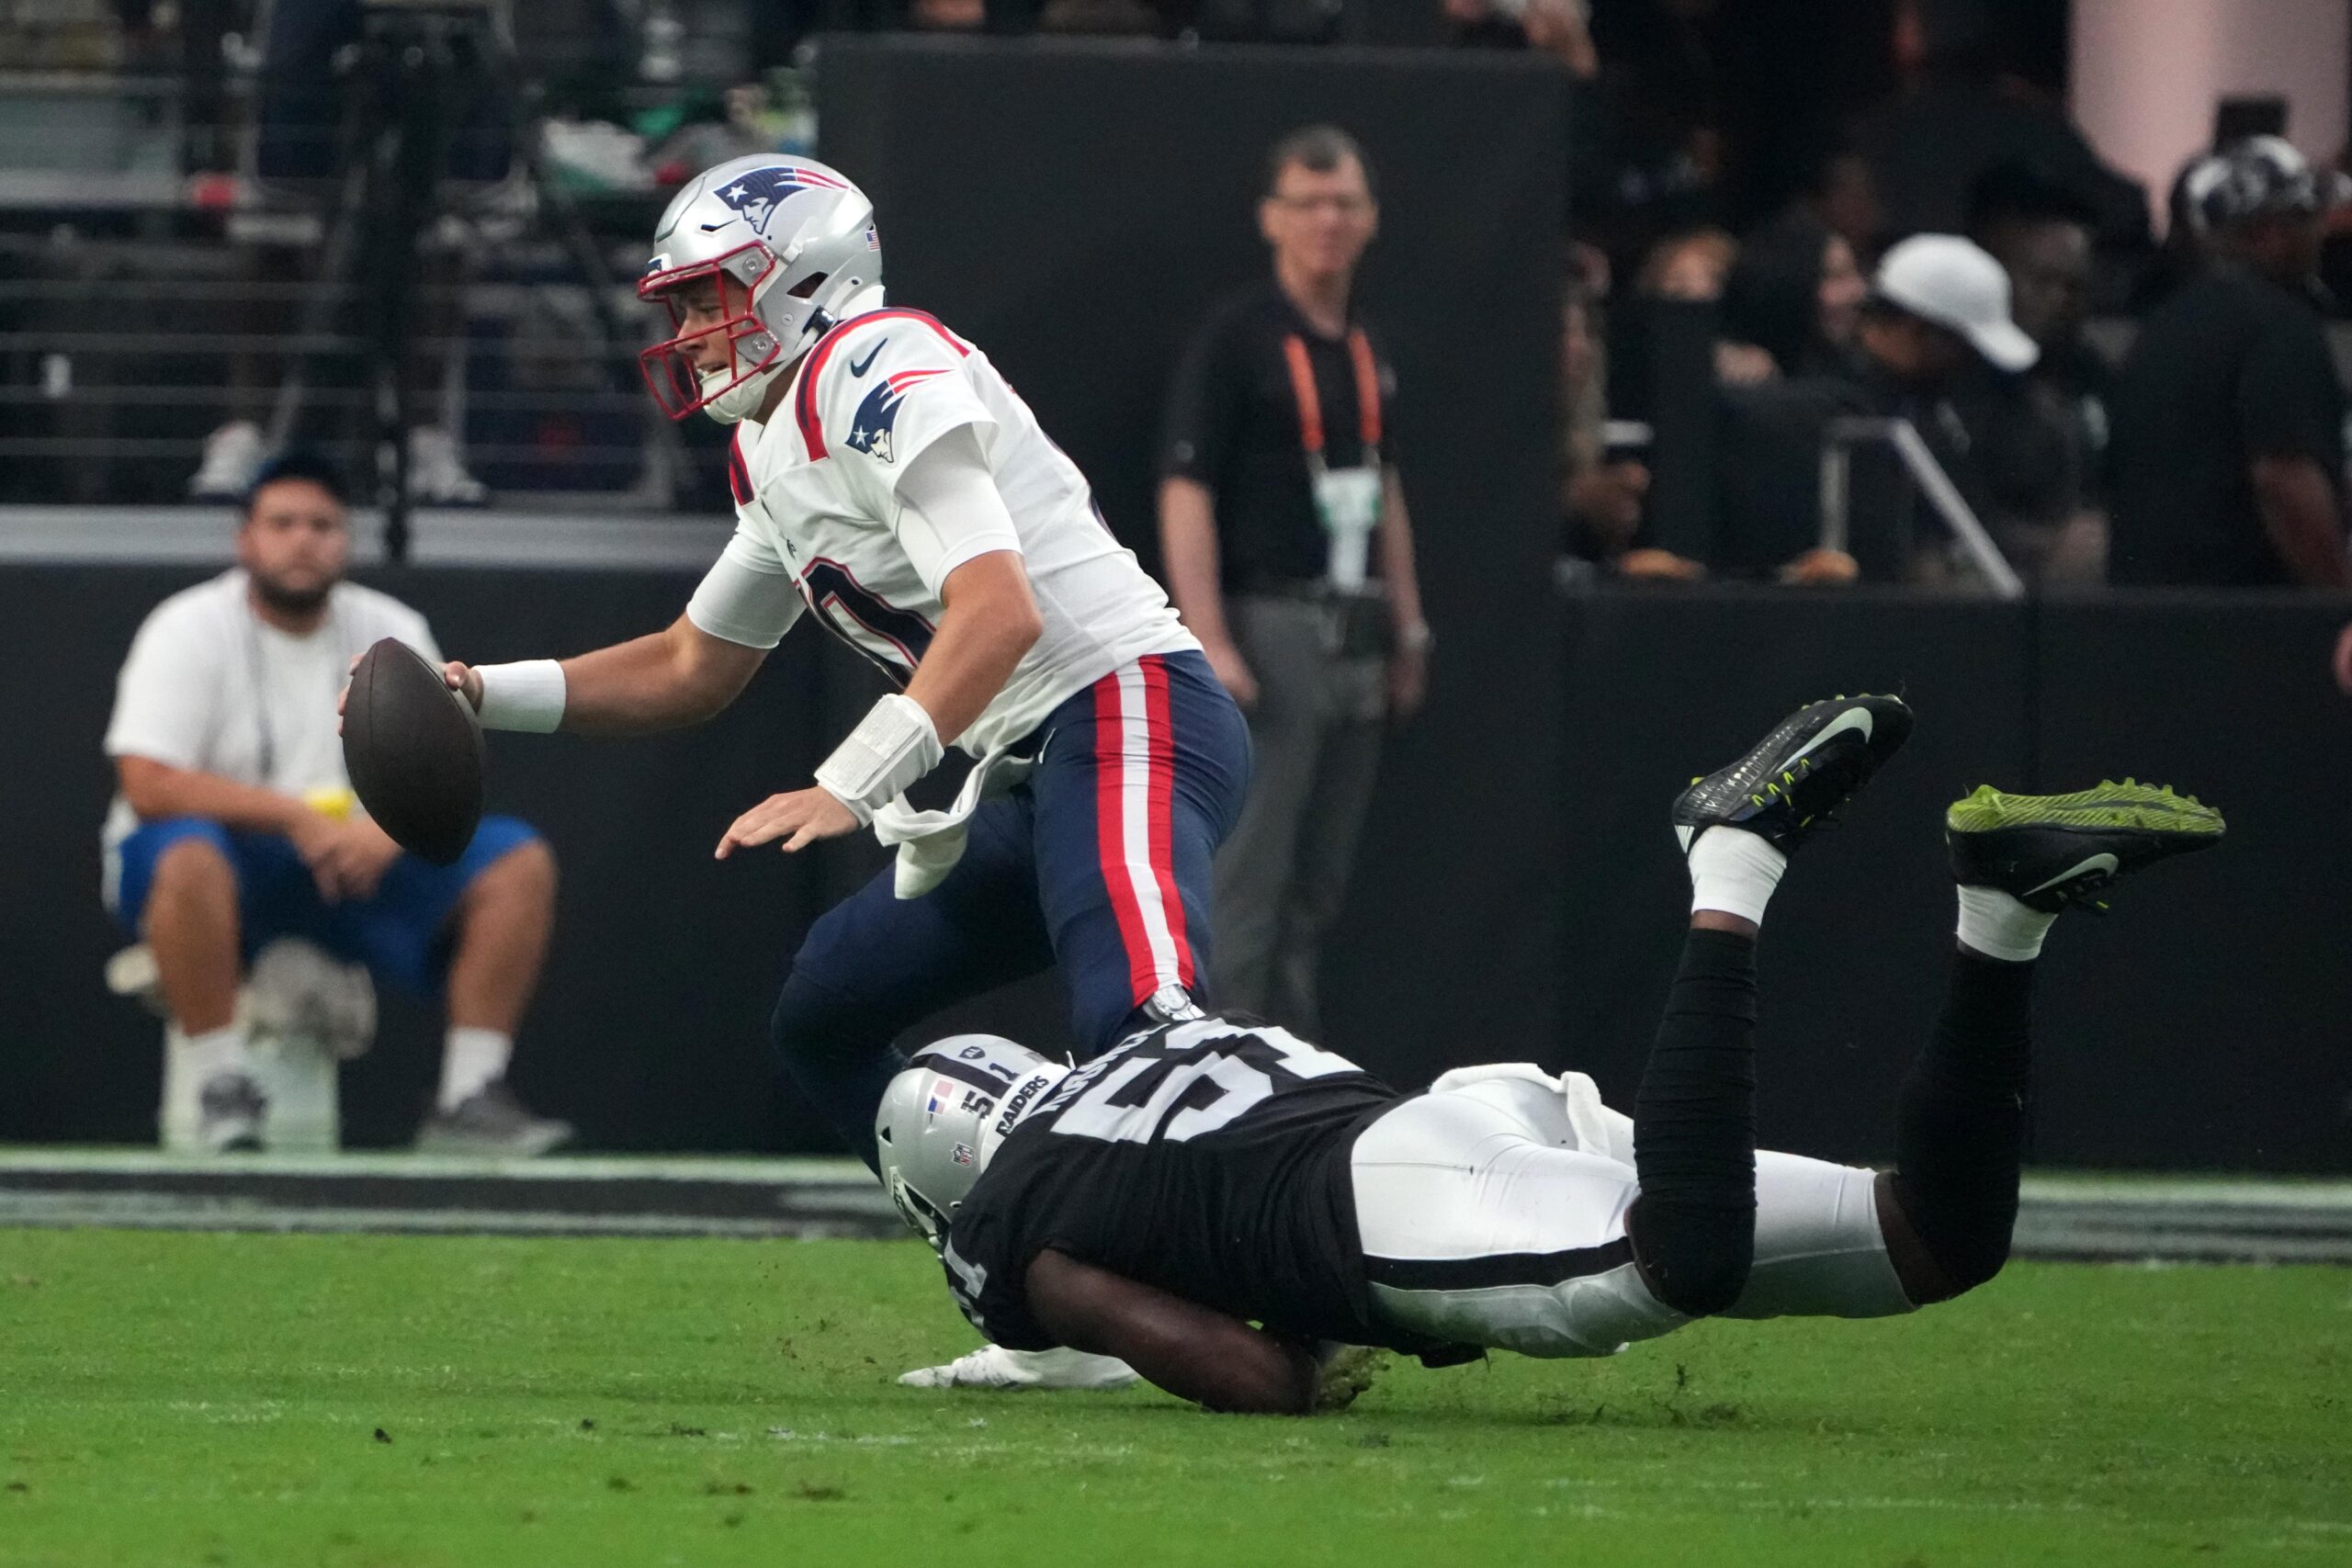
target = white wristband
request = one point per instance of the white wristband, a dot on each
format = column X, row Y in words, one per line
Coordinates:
column 892, row 746
column 526, row 696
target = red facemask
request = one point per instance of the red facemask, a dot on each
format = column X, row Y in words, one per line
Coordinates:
column 669, row 367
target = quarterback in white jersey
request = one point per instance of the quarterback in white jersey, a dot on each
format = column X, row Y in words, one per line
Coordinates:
column 888, row 482
column 851, row 506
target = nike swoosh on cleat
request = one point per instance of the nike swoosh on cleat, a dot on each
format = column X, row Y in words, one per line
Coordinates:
column 1852, row 719
column 2096, row 863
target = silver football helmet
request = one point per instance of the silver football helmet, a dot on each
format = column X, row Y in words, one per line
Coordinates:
column 942, row 1118
column 787, row 243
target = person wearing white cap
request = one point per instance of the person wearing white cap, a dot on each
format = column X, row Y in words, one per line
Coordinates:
column 2227, row 455
column 1943, row 281
column 1938, row 348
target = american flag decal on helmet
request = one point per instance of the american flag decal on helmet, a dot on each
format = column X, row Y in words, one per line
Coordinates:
column 877, row 416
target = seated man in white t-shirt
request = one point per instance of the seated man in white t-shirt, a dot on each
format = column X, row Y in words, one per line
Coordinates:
column 236, row 825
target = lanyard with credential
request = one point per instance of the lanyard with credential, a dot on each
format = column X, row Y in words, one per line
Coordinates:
column 1310, row 401
column 1348, row 500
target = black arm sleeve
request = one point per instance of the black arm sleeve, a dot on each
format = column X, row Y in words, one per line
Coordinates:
column 1197, row 434
column 2287, row 396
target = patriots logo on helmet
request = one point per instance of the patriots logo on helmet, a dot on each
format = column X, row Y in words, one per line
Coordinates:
column 877, row 416
column 757, row 195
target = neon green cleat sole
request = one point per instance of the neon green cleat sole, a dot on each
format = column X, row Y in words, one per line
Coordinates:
column 2056, row 850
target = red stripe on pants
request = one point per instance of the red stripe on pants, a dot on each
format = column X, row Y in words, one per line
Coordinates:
column 1109, row 830
column 1163, row 809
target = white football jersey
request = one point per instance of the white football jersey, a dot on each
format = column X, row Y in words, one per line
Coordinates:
column 815, row 490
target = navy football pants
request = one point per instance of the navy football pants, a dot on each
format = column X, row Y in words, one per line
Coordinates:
column 1099, row 863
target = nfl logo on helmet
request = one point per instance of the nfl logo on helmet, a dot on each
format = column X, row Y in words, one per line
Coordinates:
column 757, row 195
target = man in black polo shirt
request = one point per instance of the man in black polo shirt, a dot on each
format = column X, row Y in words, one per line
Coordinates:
column 1290, row 556
column 2227, row 454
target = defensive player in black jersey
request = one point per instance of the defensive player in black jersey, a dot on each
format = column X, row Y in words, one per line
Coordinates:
column 1213, row 1175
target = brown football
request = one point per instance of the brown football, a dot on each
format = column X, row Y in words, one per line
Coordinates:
column 412, row 748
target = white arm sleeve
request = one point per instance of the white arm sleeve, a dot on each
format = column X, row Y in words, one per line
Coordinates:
column 747, row 596
column 949, row 508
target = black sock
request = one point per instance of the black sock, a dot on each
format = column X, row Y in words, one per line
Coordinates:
column 1694, row 1131
column 1960, row 1132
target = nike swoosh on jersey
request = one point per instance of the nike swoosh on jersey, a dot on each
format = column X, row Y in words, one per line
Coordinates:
column 1852, row 719
column 2096, row 863
column 860, row 367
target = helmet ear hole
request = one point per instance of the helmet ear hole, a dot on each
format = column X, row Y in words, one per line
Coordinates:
column 808, row 286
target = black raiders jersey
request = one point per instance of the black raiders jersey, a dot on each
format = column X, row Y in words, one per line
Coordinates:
column 1209, row 1158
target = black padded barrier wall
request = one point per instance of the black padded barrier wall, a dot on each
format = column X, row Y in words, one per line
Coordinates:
column 1659, row 688
column 2207, row 1026
column 2198, row 1027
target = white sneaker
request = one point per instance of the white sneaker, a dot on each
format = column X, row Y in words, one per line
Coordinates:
column 436, row 473
column 233, row 456
column 993, row 1366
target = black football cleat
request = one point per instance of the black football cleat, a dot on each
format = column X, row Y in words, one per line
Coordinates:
column 2058, row 851
column 1797, row 777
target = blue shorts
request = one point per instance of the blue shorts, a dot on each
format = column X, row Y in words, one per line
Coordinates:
column 1097, row 863
column 400, row 933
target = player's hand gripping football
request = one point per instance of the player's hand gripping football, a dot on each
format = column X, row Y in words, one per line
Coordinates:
column 461, row 678
column 800, row 819
column 464, row 677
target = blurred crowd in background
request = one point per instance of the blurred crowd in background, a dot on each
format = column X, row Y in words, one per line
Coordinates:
column 1745, row 176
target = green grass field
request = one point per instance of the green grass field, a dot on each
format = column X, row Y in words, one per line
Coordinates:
column 175, row 1399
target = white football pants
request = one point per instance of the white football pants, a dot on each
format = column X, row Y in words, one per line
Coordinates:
column 1492, row 1212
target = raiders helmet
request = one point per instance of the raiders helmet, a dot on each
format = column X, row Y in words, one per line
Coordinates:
column 942, row 1118
column 789, row 243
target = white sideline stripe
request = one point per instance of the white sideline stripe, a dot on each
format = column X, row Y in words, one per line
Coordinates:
column 82, row 1210
column 2131, row 1191
column 490, row 537
column 795, row 1172
column 1135, row 822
